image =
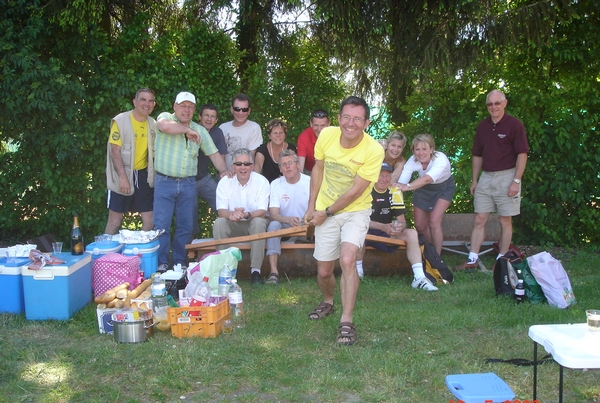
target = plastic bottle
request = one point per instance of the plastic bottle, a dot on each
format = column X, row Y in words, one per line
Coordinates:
column 236, row 305
column 204, row 290
column 225, row 277
column 159, row 295
column 520, row 292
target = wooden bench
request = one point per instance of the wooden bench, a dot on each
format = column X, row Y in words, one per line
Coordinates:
column 297, row 258
column 457, row 230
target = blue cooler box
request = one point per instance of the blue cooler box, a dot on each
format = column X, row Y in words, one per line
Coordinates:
column 11, row 285
column 98, row 250
column 59, row 291
column 149, row 252
column 479, row 388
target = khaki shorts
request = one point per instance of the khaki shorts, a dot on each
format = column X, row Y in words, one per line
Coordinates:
column 344, row 227
column 491, row 194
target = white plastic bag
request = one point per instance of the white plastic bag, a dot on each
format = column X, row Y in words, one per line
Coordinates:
column 553, row 279
column 212, row 263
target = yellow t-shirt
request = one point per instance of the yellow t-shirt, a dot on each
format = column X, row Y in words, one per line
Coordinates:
column 341, row 165
column 140, row 131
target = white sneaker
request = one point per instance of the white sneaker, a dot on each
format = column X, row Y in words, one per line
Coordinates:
column 361, row 272
column 423, row 283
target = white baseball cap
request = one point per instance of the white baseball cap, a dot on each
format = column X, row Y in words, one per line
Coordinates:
column 185, row 96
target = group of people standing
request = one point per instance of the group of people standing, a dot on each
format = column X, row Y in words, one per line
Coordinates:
column 355, row 186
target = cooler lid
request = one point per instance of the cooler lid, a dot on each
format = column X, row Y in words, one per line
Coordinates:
column 71, row 265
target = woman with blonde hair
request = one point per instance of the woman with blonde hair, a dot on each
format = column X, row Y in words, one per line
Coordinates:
column 393, row 153
column 433, row 189
column 266, row 161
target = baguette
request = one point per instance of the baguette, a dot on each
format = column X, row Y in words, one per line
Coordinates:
column 112, row 304
column 122, row 294
column 135, row 293
column 147, row 294
column 110, row 294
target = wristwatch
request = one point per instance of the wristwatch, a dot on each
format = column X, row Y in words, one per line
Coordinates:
column 517, row 181
column 248, row 216
column 329, row 213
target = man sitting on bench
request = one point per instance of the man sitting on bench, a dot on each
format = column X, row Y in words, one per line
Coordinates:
column 387, row 219
column 287, row 204
column 242, row 203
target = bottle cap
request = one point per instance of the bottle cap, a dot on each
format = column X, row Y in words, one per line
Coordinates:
column 205, row 279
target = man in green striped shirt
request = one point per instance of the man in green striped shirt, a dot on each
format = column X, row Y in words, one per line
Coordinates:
column 176, row 160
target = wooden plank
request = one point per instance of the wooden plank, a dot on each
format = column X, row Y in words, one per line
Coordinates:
column 294, row 231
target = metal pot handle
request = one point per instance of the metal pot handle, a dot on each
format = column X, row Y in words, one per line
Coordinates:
column 149, row 326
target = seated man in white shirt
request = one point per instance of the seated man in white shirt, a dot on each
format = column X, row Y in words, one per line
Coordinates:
column 242, row 203
column 287, row 205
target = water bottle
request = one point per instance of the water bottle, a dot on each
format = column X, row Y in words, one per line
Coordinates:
column 204, row 290
column 236, row 305
column 520, row 292
column 225, row 277
column 159, row 295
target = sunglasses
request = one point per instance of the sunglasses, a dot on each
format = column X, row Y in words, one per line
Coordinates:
column 320, row 114
column 238, row 109
column 239, row 164
column 497, row 103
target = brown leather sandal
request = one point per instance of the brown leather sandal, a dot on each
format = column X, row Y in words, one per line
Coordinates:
column 324, row 309
column 346, row 334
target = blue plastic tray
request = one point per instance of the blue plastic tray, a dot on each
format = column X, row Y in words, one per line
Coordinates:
column 479, row 388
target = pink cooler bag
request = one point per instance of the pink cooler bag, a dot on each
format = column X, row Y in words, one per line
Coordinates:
column 114, row 269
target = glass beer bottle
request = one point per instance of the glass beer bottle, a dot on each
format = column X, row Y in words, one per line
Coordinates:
column 76, row 237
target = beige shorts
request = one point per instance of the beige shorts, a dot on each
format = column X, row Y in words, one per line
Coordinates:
column 491, row 194
column 344, row 227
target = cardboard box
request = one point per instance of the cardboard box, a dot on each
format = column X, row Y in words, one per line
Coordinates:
column 105, row 320
column 58, row 292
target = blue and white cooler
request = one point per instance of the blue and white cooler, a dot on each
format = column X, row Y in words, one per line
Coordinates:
column 149, row 253
column 58, row 291
column 11, row 285
column 99, row 249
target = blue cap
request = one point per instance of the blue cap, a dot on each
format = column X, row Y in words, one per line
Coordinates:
column 387, row 167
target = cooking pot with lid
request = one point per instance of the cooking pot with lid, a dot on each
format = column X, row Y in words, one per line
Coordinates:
column 133, row 332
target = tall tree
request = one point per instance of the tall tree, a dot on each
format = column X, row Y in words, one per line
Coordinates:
column 391, row 43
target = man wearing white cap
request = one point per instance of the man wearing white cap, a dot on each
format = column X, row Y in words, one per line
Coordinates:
column 176, row 162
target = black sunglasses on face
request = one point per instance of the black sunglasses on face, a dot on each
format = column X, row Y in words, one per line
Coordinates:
column 239, row 164
column 320, row 114
column 238, row 109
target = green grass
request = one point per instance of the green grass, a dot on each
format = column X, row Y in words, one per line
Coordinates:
column 408, row 341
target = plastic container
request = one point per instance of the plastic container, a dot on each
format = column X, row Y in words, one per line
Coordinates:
column 58, row 292
column 206, row 322
column 149, row 252
column 479, row 388
column 98, row 250
column 11, row 286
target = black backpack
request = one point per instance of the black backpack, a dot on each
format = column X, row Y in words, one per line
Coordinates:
column 436, row 270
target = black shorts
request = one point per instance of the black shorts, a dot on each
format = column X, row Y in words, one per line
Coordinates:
column 378, row 245
column 141, row 201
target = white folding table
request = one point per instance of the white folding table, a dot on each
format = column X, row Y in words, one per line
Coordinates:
column 571, row 346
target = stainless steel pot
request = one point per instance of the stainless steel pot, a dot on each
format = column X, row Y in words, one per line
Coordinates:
column 133, row 332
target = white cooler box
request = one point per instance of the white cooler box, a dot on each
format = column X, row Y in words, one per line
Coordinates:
column 59, row 291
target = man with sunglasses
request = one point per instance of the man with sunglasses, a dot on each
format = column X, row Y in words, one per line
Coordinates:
column 242, row 203
column 347, row 164
column 308, row 138
column 241, row 132
column 500, row 154
column 176, row 163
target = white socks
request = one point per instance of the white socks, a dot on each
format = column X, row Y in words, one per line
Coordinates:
column 359, row 268
column 417, row 269
column 473, row 257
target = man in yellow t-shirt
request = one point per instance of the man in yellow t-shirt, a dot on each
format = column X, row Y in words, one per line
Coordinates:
column 347, row 163
column 129, row 163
